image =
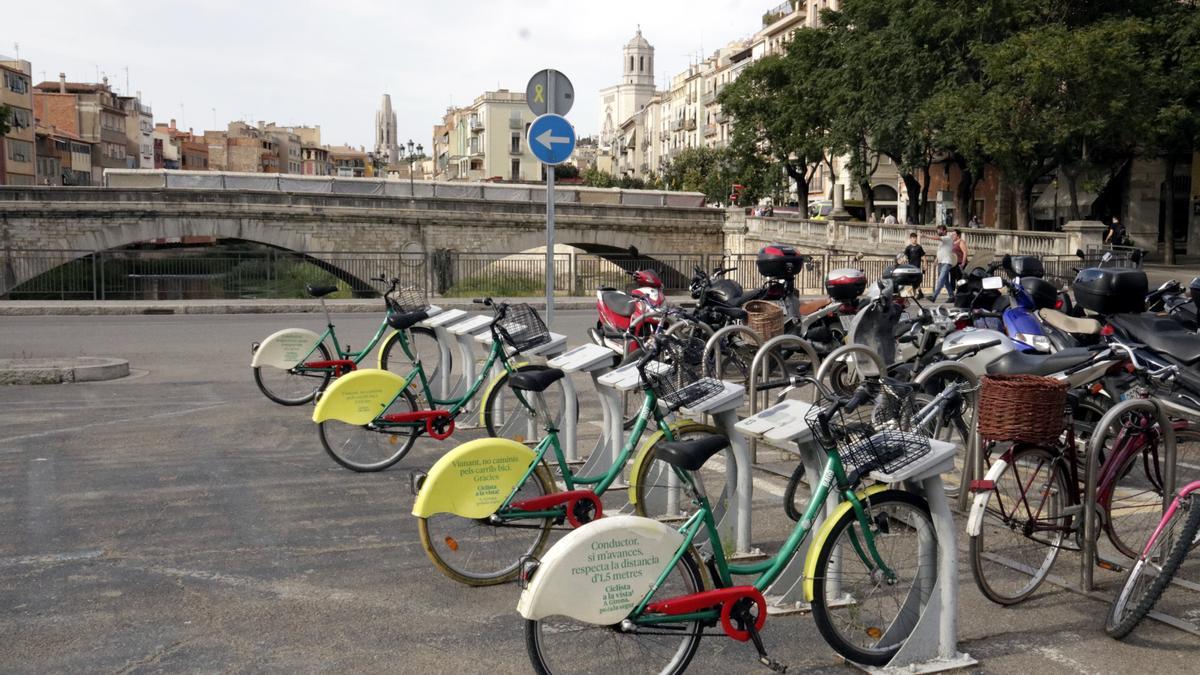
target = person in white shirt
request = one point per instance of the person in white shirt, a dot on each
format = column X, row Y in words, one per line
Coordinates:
column 946, row 259
column 889, row 220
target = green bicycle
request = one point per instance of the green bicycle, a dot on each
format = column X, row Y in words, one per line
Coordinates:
column 293, row 365
column 369, row 419
column 491, row 502
column 629, row 594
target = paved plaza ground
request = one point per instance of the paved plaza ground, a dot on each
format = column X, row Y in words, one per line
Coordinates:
column 177, row 520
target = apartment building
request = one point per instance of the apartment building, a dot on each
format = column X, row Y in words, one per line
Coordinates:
column 17, row 151
column 348, row 162
column 487, row 140
column 139, row 132
column 63, row 158
column 92, row 112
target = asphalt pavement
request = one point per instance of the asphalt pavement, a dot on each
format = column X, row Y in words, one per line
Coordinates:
column 178, row 521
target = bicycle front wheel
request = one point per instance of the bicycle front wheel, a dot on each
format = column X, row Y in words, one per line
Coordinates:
column 1022, row 528
column 293, row 386
column 423, row 344
column 367, row 447
column 863, row 613
column 480, row 552
column 561, row 645
column 1153, row 571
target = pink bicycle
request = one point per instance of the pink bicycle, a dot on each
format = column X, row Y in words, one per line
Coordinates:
column 1156, row 566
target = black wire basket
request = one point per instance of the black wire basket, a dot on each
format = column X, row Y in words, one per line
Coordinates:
column 521, row 328
column 676, row 374
column 408, row 299
column 895, row 406
column 861, row 446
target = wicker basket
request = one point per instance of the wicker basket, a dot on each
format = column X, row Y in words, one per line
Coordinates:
column 766, row 318
column 1026, row 408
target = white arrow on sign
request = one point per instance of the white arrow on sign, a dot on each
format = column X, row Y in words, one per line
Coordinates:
column 547, row 138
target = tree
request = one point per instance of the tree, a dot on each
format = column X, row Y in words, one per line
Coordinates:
column 707, row 170
column 566, row 171
column 5, row 127
column 596, row 178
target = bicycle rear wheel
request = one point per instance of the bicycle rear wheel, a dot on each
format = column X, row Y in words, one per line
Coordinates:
column 559, row 644
column 1023, row 526
column 291, row 386
column 505, row 416
column 1134, row 503
column 366, row 447
column 658, row 492
column 1153, row 572
column 480, row 552
column 864, row 618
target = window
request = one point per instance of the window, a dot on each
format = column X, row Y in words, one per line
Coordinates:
column 20, row 151
column 515, row 148
column 641, row 64
column 631, row 64
column 15, row 83
column 20, row 118
column 516, row 169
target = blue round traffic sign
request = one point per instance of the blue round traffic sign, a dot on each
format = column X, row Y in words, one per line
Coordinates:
column 551, row 139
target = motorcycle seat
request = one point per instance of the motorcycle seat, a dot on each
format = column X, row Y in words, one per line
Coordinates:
column 691, row 454
column 621, row 304
column 756, row 294
column 810, row 306
column 1069, row 324
column 1021, row 363
column 1160, row 334
column 735, row 313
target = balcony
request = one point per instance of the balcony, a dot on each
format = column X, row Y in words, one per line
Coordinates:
column 722, row 117
column 710, row 130
column 516, row 123
column 644, row 168
column 475, row 149
column 677, row 125
column 708, row 97
column 689, row 125
column 475, row 124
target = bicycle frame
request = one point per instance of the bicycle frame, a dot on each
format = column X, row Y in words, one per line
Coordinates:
column 1194, row 486
column 767, row 570
column 343, row 360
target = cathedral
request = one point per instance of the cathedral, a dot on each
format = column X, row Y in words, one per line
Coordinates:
column 385, row 132
column 620, row 101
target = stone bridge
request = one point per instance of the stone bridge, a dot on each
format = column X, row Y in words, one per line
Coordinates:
column 83, row 220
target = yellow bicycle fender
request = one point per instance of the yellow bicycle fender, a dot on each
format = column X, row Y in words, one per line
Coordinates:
column 383, row 348
column 358, row 397
column 474, row 479
column 284, row 349
column 488, row 392
column 810, row 563
column 645, row 450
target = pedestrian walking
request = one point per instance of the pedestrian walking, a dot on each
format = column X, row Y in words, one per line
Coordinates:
column 1116, row 233
column 946, row 261
column 914, row 253
column 960, row 260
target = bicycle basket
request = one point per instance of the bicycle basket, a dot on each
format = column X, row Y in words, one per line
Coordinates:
column 408, row 299
column 676, row 374
column 860, row 446
column 1026, row 408
column 521, row 328
column 894, row 406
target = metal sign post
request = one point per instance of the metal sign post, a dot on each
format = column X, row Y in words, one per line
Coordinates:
column 551, row 138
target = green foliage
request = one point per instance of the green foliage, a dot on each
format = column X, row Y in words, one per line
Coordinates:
column 596, row 178
column 567, row 171
column 5, row 116
column 508, row 285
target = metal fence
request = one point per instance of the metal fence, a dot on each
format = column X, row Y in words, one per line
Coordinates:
column 166, row 274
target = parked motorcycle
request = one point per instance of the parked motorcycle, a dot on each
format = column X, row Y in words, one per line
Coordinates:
column 622, row 313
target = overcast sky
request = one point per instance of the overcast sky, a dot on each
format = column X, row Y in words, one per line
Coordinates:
column 329, row 62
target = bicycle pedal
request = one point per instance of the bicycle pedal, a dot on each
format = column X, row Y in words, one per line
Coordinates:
column 772, row 664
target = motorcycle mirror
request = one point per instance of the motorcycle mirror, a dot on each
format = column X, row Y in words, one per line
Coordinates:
column 633, row 252
column 993, row 283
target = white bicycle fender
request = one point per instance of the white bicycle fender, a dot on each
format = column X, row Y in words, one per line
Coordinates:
column 600, row 572
column 285, row 348
column 979, row 507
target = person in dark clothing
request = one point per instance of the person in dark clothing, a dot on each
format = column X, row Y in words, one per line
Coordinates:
column 913, row 253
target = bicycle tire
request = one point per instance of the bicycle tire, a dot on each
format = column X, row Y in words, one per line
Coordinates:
column 1130, row 520
column 506, row 569
column 1118, row 624
column 990, row 574
column 829, row 611
column 631, row 401
column 653, row 475
column 400, row 359
column 609, row 650
column 789, row 494
column 402, row 439
column 492, row 409
column 291, row 401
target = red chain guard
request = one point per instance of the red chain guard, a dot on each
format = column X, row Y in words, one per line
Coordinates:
column 430, row 417
column 340, row 366
column 725, row 597
column 569, row 498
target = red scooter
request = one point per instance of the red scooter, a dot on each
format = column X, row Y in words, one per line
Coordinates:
column 624, row 312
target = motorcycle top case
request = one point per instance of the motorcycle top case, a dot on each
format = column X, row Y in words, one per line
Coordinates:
column 1110, row 290
column 845, row 284
column 779, row 261
column 1026, row 266
column 1044, row 294
column 905, row 275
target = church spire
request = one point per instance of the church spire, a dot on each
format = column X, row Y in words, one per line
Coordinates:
column 385, row 131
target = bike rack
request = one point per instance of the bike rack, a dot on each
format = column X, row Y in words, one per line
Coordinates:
column 612, row 386
column 711, row 348
column 973, row 461
column 1151, row 406
column 464, row 331
column 853, row 352
column 594, row 360
column 783, row 426
column 932, row 646
column 443, row 386
column 758, row 370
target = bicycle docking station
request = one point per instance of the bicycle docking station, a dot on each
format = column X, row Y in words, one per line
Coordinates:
column 783, row 426
column 464, row 331
column 739, row 477
column 611, row 386
column 595, row 361
column 441, row 383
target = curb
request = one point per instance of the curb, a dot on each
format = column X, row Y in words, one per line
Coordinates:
column 49, row 371
column 130, row 308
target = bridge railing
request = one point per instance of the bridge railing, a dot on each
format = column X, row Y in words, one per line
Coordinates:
column 381, row 187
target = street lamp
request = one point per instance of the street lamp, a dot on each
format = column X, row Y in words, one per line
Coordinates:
column 414, row 153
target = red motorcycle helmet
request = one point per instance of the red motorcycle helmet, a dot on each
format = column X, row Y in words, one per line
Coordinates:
column 647, row 278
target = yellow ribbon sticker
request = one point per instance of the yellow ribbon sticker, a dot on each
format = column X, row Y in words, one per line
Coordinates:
column 538, row 96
